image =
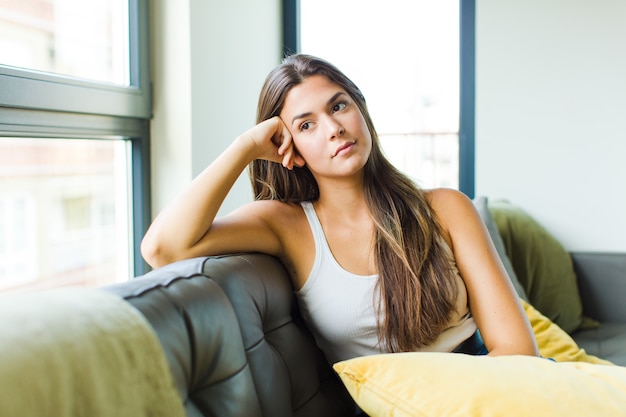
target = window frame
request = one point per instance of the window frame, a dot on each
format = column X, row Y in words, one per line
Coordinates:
column 36, row 104
column 31, row 89
column 291, row 44
column 467, row 102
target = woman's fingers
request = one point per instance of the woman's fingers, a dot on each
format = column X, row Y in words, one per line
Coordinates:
column 280, row 140
column 288, row 151
column 298, row 160
column 285, row 138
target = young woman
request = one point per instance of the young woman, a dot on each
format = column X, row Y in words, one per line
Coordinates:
column 378, row 264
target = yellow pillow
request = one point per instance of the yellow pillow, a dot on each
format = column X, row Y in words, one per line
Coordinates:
column 554, row 342
column 456, row 385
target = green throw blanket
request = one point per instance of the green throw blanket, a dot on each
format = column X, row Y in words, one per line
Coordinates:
column 81, row 352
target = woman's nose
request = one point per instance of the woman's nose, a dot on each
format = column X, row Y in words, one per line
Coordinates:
column 334, row 128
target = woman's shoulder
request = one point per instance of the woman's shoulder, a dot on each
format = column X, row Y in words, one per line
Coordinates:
column 450, row 206
column 276, row 206
column 281, row 218
column 446, row 198
column 268, row 209
column 289, row 223
column 275, row 212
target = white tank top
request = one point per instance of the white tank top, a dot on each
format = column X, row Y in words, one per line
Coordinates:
column 340, row 307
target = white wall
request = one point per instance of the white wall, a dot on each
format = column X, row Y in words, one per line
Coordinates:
column 210, row 58
column 551, row 101
column 171, row 78
column 550, row 113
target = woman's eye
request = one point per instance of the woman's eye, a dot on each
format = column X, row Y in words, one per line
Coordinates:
column 305, row 126
column 339, row 106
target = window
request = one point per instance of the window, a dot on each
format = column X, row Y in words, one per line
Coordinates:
column 83, row 39
column 406, row 56
column 74, row 162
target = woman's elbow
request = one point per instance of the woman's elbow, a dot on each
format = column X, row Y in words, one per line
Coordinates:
column 153, row 253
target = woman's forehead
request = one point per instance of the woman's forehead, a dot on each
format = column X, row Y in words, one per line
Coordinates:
column 315, row 90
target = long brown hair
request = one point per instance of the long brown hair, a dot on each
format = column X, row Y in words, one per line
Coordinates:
column 415, row 280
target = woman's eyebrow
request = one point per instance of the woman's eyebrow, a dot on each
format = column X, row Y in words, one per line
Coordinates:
column 330, row 101
column 335, row 97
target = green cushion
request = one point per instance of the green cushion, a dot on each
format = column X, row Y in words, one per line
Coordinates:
column 542, row 265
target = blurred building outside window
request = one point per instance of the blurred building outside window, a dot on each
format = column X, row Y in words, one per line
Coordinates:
column 65, row 206
column 85, row 39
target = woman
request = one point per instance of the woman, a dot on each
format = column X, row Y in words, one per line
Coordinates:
column 378, row 264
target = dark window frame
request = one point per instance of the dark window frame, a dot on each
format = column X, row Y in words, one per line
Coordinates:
column 467, row 9
column 467, row 86
column 36, row 104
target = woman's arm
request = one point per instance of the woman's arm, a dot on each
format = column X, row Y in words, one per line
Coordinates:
column 185, row 228
column 493, row 301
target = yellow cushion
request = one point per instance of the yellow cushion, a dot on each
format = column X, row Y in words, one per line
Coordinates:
column 554, row 342
column 456, row 385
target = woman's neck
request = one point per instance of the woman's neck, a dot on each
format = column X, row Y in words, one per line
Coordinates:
column 344, row 204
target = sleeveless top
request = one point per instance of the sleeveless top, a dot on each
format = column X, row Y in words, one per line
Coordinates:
column 340, row 307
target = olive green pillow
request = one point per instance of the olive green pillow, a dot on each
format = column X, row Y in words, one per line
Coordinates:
column 542, row 265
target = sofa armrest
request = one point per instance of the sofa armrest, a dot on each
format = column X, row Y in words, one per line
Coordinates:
column 234, row 340
column 199, row 333
column 602, row 284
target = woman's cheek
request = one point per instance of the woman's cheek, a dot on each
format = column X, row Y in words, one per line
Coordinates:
column 301, row 146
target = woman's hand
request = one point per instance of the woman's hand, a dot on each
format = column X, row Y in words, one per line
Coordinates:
column 272, row 141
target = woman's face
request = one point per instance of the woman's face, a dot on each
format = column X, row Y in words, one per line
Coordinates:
column 328, row 128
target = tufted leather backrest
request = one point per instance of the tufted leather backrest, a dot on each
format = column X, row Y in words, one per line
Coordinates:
column 234, row 340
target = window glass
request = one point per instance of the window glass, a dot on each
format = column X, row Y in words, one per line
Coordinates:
column 81, row 38
column 64, row 207
column 404, row 56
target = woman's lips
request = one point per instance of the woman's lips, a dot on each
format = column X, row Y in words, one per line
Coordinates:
column 344, row 148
